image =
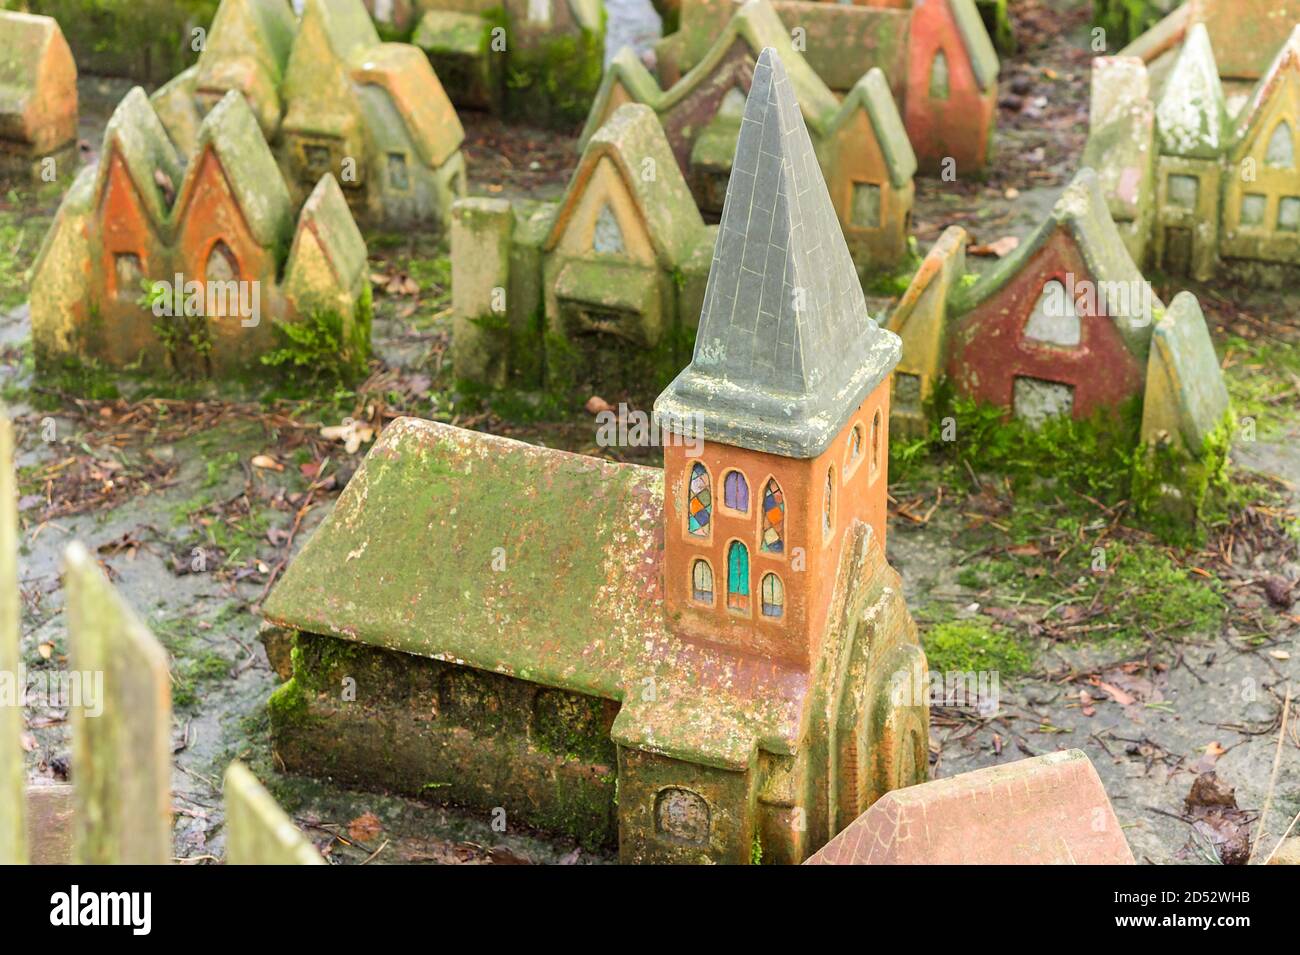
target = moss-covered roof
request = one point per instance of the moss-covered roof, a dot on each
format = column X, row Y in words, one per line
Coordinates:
column 1191, row 115
column 785, row 349
column 1081, row 210
column 404, row 73
column 24, row 39
column 137, row 134
column 1287, row 60
column 1181, row 343
column 538, row 564
column 872, row 93
column 626, row 70
column 232, row 132
column 262, row 29
column 632, row 137
column 326, row 214
column 347, row 23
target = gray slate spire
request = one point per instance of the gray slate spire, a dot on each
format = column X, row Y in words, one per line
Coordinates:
column 785, row 349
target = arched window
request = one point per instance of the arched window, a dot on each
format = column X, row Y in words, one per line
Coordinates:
column 875, row 444
column 939, row 76
column 735, row 491
column 1054, row 320
column 828, row 506
column 607, row 236
column 773, row 596
column 222, row 265
column 773, row 518
column 854, row 453
column 699, row 505
column 738, row 576
column 1281, row 147
column 702, row 582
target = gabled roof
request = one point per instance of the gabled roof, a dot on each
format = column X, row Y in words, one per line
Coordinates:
column 1191, row 115
column 631, row 138
column 872, row 94
column 626, row 70
column 261, row 30
column 346, row 24
column 785, row 350
column 33, row 55
column 1121, row 133
column 1185, row 376
column 979, row 46
column 137, row 133
column 231, row 130
column 1081, row 211
column 406, row 562
column 327, row 217
column 1287, row 59
column 403, row 71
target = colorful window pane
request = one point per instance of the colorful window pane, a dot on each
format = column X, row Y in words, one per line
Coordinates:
column 773, row 596
column 702, row 582
column 828, row 513
column 773, row 518
column 738, row 576
column 699, row 506
column 735, row 491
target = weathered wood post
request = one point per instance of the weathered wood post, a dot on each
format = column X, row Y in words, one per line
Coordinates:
column 121, row 757
column 258, row 832
column 13, row 775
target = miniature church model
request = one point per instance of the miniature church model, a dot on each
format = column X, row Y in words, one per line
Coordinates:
column 330, row 98
column 1197, row 148
column 694, row 663
column 188, row 268
column 38, row 100
column 1067, row 326
column 866, row 158
column 935, row 54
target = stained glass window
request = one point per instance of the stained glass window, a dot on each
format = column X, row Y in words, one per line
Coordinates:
column 773, row 518
column 735, row 491
column 828, row 519
column 773, row 596
column 738, row 576
column 699, row 507
column 702, row 582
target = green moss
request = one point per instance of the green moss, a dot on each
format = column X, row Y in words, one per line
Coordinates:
column 1125, row 20
column 554, row 82
column 1175, row 491
column 317, row 350
column 972, row 646
column 756, row 850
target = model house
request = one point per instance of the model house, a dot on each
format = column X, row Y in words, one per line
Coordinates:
column 330, row 98
column 186, row 267
column 38, row 99
column 693, row 663
column 935, row 54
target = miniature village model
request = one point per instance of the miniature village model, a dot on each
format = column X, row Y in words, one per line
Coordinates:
column 866, row 158
column 331, row 99
column 1067, row 325
column 1194, row 133
column 935, row 54
column 38, row 100
column 712, row 643
column 536, row 60
column 617, row 268
column 183, row 268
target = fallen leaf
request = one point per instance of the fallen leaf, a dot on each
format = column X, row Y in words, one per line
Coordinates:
column 997, row 248
column 1279, row 655
column 45, row 650
column 365, row 827
column 596, row 405
column 1114, row 692
column 267, row 463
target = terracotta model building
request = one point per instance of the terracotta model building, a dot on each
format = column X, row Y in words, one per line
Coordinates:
column 693, row 662
column 38, row 99
column 1065, row 325
column 188, row 267
column 616, row 269
column 1197, row 148
column 866, row 158
column 330, row 98
column 936, row 56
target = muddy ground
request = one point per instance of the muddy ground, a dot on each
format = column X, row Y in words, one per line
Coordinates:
column 194, row 500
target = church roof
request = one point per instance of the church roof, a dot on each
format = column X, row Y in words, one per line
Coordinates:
column 872, row 94
column 404, row 73
column 137, row 133
column 979, row 46
column 632, row 139
column 433, row 549
column 1288, row 58
column 785, row 350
